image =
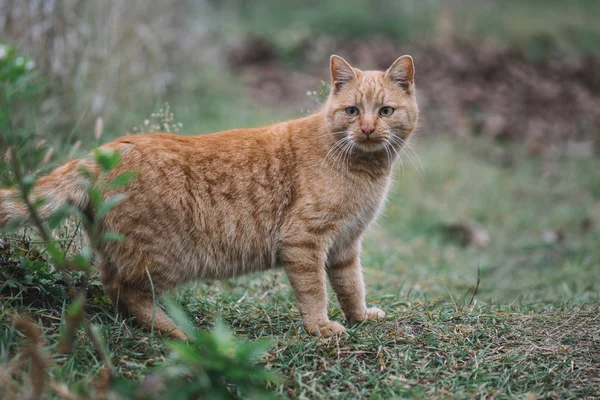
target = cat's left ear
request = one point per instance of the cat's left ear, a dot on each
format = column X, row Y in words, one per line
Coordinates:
column 402, row 72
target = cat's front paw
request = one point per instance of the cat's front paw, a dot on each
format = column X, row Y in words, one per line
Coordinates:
column 370, row 314
column 375, row 314
column 178, row 334
column 325, row 329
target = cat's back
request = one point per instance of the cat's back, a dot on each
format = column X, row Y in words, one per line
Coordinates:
column 236, row 164
column 191, row 148
column 212, row 202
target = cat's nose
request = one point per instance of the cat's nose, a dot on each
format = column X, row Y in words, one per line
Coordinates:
column 367, row 130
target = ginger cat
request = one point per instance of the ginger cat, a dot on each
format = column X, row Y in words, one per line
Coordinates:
column 298, row 195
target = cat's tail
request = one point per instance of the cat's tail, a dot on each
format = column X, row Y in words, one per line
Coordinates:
column 65, row 184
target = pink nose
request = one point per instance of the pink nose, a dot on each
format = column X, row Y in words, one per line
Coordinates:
column 367, row 131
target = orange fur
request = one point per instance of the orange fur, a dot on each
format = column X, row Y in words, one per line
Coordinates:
column 298, row 195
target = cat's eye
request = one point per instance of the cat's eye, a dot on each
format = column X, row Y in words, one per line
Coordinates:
column 386, row 111
column 352, row 111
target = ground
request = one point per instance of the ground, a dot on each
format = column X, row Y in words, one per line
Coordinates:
column 459, row 212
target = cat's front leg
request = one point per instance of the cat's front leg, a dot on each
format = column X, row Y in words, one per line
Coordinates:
column 345, row 276
column 305, row 267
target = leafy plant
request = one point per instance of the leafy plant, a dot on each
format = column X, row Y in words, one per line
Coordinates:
column 213, row 364
column 19, row 90
column 18, row 80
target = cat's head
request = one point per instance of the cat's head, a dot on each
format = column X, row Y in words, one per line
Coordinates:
column 373, row 109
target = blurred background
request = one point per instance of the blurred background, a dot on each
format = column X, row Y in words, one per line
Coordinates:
column 502, row 175
column 509, row 70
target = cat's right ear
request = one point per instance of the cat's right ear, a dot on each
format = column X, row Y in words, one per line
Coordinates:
column 341, row 73
column 402, row 72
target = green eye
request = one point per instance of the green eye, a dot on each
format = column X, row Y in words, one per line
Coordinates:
column 352, row 111
column 386, row 111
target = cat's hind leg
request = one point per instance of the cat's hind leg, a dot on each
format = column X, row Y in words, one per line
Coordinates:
column 138, row 302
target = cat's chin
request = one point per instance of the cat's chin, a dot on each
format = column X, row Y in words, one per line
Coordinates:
column 370, row 146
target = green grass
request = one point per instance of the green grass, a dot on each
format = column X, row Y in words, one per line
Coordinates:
column 531, row 330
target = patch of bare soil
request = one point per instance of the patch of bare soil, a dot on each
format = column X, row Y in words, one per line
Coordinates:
column 464, row 88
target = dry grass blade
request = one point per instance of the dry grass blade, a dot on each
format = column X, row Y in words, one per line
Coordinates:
column 107, row 369
column 74, row 317
column 62, row 391
column 103, row 381
column 33, row 351
column 6, row 376
column 476, row 286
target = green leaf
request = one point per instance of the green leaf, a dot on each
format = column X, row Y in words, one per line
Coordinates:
column 112, row 236
column 185, row 352
column 222, row 335
column 83, row 260
column 95, row 197
column 258, row 349
column 28, row 184
column 181, row 319
column 76, row 308
column 121, row 180
column 55, row 253
column 107, row 158
column 61, row 214
column 97, row 333
column 87, row 174
column 109, row 204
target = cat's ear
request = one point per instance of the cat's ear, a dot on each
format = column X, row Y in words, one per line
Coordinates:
column 402, row 72
column 341, row 73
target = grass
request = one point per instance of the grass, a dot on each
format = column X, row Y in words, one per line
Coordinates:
column 531, row 330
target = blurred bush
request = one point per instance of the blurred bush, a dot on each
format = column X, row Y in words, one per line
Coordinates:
column 212, row 365
column 98, row 56
column 20, row 88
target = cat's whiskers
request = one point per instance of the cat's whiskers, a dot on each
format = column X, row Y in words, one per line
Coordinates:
column 395, row 146
column 342, row 154
column 388, row 154
column 335, row 148
column 385, row 148
column 418, row 166
column 397, row 154
column 408, row 146
column 322, row 137
column 406, row 142
column 405, row 146
column 348, row 154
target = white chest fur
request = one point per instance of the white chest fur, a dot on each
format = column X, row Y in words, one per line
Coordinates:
column 366, row 209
